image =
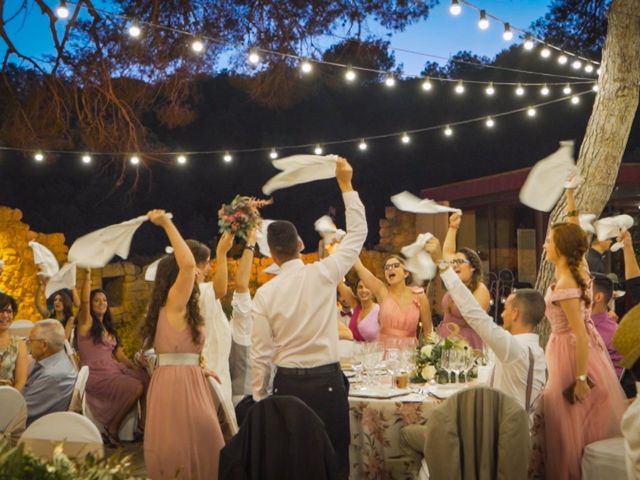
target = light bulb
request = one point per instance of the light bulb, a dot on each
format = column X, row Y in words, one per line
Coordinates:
column 483, row 23
column 588, row 68
column 595, row 87
column 531, row 112
column 38, row 157
column 86, row 159
column 545, row 52
column 576, row 64
column 197, row 46
column 273, row 154
column 544, row 90
column 528, row 43
column 389, row 81
column 317, row 150
column 562, row 59
column 181, row 159
column 426, row 85
column 62, row 11
column 598, row 71
column 362, row 145
column 254, row 56
column 134, row 160
column 447, row 131
column 227, row 157
column 567, row 89
column 575, row 100
column 507, row 34
column 489, row 122
column 134, row 31
column 350, row 75
column 306, row 66
column 519, row 90
column 459, row 88
column 405, row 138
column 455, row 8
column 490, row 90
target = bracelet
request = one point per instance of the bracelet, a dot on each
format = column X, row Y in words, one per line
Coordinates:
column 250, row 247
column 572, row 213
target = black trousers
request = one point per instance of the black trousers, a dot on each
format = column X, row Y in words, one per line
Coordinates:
column 325, row 390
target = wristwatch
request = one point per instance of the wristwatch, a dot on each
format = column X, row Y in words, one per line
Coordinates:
column 443, row 265
column 581, row 378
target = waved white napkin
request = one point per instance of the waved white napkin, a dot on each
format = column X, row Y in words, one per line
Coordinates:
column 328, row 230
column 261, row 238
column 612, row 227
column 45, row 259
column 298, row 169
column 152, row 268
column 408, row 202
column 545, row 183
column 586, row 222
column 65, row 278
column 417, row 261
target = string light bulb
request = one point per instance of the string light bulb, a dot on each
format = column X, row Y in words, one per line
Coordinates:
column 483, row 23
column 545, row 52
column 405, row 138
column 254, row 56
column 459, row 89
column 588, row 68
column 135, row 31
column 273, row 154
column 507, row 35
column 575, row 99
column 544, row 90
column 598, row 71
column 528, row 42
column 227, row 157
column 134, row 160
column 426, row 85
column 197, row 46
column 62, row 11
column 350, row 75
column 317, row 150
column 38, row 157
column 362, row 145
column 567, row 89
column 531, row 112
column 181, row 159
column 390, row 81
column 562, row 59
column 519, row 90
column 489, row 122
column 576, row 64
column 448, row 131
column 306, row 66
column 86, row 159
column 595, row 87
column 455, row 8
column 490, row 90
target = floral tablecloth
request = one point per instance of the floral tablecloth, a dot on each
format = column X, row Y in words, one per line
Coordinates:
column 374, row 452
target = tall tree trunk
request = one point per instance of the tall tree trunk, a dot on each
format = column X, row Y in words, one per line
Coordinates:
column 608, row 129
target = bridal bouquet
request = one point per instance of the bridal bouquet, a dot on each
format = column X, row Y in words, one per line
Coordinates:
column 241, row 215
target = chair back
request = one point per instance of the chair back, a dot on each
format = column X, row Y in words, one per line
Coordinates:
column 77, row 397
column 77, row 435
column 478, row 433
column 20, row 328
column 604, row 459
column 71, row 354
column 226, row 413
column 13, row 414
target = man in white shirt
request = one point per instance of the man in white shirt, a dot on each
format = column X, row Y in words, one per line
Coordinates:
column 520, row 369
column 294, row 322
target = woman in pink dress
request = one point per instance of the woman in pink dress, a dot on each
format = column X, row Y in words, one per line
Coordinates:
column 466, row 263
column 183, row 436
column 582, row 401
column 115, row 384
column 364, row 319
column 402, row 308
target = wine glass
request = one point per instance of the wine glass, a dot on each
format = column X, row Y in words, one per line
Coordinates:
column 456, row 362
column 357, row 359
column 445, row 363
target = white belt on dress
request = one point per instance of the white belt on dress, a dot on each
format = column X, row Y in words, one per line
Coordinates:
column 178, row 359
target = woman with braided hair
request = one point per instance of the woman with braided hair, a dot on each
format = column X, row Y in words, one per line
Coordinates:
column 582, row 401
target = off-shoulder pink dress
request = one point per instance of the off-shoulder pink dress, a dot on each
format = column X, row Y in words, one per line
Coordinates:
column 452, row 316
column 570, row 427
column 182, row 437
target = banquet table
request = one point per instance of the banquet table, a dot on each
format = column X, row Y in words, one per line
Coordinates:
column 374, row 451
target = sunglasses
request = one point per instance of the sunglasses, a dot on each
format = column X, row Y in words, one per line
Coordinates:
column 460, row 261
column 392, row 266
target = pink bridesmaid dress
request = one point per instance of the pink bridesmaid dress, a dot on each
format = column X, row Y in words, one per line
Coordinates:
column 570, row 427
column 452, row 316
column 398, row 322
column 182, row 437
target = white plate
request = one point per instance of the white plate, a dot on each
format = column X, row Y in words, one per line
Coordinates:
column 380, row 392
column 446, row 390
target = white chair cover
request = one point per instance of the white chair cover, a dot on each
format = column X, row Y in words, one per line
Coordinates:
column 423, row 474
column 604, row 459
column 76, row 433
column 71, row 353
column 20, row 328
column 128, row 426
column 13, row 414
column 226, row 413
column 77, row 398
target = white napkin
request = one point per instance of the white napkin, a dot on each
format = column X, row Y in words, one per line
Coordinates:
column 65, row 278
column 152, row 268
column 612, row 227
column 261, row 238
column 95, row 249
column 328, row 230
column 298, row 169
column 417, row 261
column 546, row 181
column 586, row 222
column 408, row 202
column 45, row 259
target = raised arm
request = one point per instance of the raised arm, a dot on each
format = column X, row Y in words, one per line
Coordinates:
column 75, row 297
column 41, row 302
column 373, row 283
column 449, row 244
column 221, row 276
column 572, row 211
column 243, row 273
column 346, row 293
column 425, row 316
column 84, row 314
column 631, row 268
column 241, row 302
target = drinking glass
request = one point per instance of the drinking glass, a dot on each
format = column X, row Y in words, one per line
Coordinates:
column 445, row 364
column 456, row 362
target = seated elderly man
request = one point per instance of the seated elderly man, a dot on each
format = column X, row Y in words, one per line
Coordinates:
column 52, row 378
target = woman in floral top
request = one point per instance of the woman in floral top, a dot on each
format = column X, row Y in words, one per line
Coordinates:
column 13, row 351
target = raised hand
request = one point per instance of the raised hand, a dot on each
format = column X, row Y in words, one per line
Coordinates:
column 158, row 217
column 432, row 247
column 344, row 174
column 225, row 244
column 454, row 220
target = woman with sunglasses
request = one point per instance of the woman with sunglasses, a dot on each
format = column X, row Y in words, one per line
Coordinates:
column 13, row 351
column 466, row 263
column 402, row 308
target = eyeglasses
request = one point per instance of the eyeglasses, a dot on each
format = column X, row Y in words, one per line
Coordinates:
column 391, row 266
column 29, row 341
column 459, row 261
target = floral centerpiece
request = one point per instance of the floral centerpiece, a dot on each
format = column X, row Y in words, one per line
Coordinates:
column 428, row 355
column 241, row 215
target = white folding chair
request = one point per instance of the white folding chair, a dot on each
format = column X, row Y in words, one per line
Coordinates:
column 604, row 459
column 13, row 414
column 226, row 413
column 71, row 353
column 20, row 328
column 77, row 398
column 78, row 436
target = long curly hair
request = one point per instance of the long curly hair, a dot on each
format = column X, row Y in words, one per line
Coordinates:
column 97, row 326
column 165, row 278
column 476, row 264
column 67, row 306
column 571, row 243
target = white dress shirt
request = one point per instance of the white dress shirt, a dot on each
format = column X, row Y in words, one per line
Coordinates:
column 294, row 314
column 511, row 351
column 631, row 433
